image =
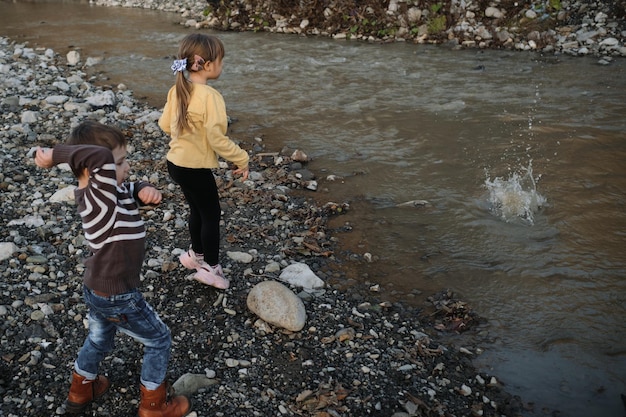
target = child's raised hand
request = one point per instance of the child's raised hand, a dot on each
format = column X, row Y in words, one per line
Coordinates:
column 43, row 157
column 243, row 171
column 150, row 195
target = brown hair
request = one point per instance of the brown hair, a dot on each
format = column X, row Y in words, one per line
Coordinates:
column 209, row 48
column 91, row 132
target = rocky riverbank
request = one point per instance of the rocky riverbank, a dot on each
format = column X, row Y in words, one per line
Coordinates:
column 357, row 355
column 573, row 27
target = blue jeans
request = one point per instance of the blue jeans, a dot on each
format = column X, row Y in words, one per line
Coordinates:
column 131, row 314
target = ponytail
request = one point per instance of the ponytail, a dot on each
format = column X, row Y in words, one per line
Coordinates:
column 193, row 47
column 183, row 93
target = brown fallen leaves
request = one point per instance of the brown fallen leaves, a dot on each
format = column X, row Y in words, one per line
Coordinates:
column 451, row 315
column 325, row 402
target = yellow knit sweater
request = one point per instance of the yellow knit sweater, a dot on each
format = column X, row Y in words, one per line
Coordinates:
column 206, row 140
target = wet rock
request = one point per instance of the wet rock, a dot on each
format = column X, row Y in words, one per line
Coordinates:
column 73, row 58
column 299, row 156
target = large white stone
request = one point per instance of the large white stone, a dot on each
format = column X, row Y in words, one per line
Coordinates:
column 276, row 304
column 300, row 275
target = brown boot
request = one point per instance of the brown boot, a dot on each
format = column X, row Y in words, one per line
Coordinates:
column 157, row 403
column 83, row 391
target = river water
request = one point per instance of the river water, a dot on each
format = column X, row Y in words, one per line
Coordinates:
column 518, row 161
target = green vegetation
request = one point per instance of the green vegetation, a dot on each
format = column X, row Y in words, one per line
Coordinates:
column 436, row 22
column 367, row 27
column 383, row 33
column 259, row 23
column 435, row 8
column 356, row 19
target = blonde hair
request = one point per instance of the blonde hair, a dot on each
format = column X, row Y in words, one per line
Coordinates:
column 209, row 48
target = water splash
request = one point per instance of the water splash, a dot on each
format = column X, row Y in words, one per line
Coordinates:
column 515, row 199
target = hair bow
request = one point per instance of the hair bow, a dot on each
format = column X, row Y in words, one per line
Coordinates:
column 179, row 65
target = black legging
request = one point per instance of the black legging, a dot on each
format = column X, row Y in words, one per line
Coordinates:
column 200, row 191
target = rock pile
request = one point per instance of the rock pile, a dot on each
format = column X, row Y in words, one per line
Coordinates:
column 354, row 356
column 574, row 27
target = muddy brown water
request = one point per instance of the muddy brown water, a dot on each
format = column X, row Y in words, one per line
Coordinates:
column 520, row 158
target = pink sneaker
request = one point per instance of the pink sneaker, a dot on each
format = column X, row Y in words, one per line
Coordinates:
column 212, row 276
column 190, row 260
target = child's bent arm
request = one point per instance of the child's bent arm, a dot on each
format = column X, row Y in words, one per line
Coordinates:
column 43, row 157
column 149, row 195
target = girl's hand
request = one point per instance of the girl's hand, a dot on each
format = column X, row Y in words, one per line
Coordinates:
column 43, row 157
column 244, row 172
column 150, row 195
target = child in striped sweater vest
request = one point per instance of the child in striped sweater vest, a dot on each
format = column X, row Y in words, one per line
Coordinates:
column 115, row 232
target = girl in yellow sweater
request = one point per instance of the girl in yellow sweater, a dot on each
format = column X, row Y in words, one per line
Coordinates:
column 195, row 118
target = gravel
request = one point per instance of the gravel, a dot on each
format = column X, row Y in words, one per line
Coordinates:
column 357, row 355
